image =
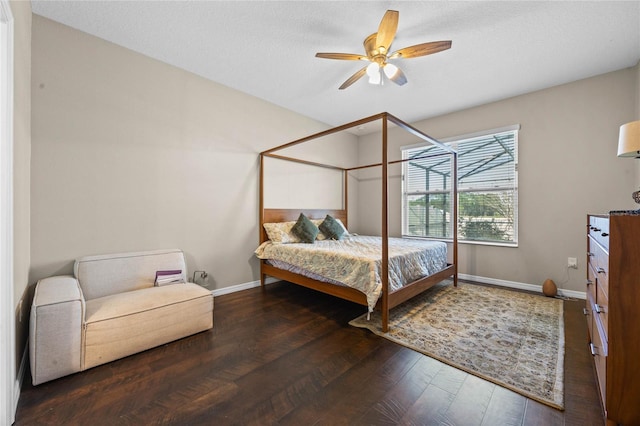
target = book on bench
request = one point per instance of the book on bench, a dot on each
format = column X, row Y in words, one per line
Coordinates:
column 173, row 276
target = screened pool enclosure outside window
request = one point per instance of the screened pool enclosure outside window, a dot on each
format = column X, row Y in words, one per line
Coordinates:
column 487, row 189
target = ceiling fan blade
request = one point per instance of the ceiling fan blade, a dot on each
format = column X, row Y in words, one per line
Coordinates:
column 341, row 56
column 398, row 77
column 387, row 30
column 421, row 49
column 355, row 77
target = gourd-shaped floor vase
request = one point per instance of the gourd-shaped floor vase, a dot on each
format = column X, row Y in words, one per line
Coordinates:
column 549, row 288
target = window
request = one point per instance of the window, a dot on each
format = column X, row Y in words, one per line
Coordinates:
column 487, row 189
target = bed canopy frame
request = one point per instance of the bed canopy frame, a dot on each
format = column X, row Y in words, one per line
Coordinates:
column 387, row 299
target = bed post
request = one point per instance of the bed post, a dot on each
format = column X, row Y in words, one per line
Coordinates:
column 261, row 216
column 385, row 229
column 345, row 203
column 454, row 183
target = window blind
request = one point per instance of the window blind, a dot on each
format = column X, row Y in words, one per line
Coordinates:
column 487, row 189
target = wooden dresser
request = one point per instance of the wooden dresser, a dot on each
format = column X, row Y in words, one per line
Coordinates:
column 613, row 312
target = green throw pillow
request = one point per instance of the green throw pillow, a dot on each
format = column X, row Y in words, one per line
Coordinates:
column 331, row 228
column 305, row 229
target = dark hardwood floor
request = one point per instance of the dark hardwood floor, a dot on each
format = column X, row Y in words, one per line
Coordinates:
column 287, row 356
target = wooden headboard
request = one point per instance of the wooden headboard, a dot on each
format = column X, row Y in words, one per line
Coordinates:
column 286, row 215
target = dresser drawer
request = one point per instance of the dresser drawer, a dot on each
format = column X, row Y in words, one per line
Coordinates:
column 600, row 263
column 598, row 347
column 588, row 311
column 591, row 251
column 600, row 310
column 591, row 294
column 599, row 230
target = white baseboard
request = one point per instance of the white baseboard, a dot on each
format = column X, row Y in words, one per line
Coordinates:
column 20, row 377
column 240, row 287
column 484, row 280
column 522, row 286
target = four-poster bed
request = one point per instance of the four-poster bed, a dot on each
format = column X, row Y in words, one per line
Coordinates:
column 388, row 298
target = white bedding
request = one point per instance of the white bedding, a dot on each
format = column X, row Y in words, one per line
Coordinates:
column 355, row 261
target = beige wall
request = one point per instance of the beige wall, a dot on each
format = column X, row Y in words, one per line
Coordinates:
column 290, row 184
column 637, row 89
column 133, row 154
column 21, row 167
column 567, row 168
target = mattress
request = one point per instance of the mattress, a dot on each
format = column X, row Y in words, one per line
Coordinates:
column 356, row 261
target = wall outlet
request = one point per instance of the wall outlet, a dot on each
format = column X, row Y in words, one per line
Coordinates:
column 572, row 262
column 201, row 278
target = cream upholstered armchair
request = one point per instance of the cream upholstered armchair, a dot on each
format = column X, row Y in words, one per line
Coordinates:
column 110, row 309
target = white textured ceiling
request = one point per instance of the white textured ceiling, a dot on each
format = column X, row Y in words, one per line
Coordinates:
column 266, row 48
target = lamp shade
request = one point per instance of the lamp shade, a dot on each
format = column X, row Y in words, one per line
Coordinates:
column 373, row 71
column 390, row 70
column 629, row 141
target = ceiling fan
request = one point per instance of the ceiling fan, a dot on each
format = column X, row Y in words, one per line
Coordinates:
column 377, row 47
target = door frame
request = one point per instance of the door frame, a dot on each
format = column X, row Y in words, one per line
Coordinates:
column 9, row 385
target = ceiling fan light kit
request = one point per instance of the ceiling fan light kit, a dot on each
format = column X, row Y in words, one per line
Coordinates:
column 373, row 71
column 377, row 47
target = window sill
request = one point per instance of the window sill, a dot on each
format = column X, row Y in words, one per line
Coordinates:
column 460, row 241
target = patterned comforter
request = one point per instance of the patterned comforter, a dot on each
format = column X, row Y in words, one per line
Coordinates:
column 355, row 261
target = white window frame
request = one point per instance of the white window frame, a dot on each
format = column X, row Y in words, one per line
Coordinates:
column 452, row 141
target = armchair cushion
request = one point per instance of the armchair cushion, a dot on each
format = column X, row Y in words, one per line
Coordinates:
column 121, row 324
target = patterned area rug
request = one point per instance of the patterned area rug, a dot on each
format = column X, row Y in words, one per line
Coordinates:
column 511, row 338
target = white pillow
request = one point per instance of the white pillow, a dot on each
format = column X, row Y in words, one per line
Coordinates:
column 280, row 232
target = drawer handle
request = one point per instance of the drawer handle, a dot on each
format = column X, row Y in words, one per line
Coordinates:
column 592, row 347
column 590, row 254
column 599, row 309
column 600, row 270
column 604, row 234
column 596, row 229
column 585, row 311
column 589, row 282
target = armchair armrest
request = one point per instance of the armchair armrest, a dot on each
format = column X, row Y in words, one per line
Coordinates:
column 55, row 337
